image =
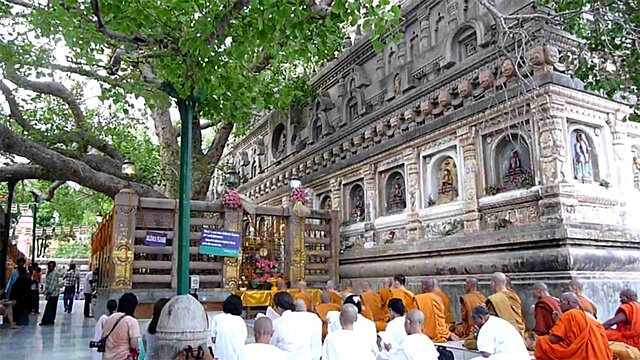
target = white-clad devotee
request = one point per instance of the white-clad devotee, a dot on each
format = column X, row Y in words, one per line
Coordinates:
column 346, row 343
column 228, row 330
column 394, row 333
column 261, row 349
column 497, row 338
column 364, row 326
column 315, row 325
column 291, row 331
column 416, row 346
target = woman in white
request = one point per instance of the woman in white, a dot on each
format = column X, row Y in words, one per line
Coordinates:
column 228, row 330
column 363, row 326
column 292, row 332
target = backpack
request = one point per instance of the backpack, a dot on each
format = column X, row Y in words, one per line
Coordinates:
column 444, row 353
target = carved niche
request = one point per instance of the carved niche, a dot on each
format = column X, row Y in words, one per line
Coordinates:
column 354, row 104
column 585, row 160
column 511, row 167
column 446, row 173
column 325, row 202
column 356, row 204
column 320, row 124
column 279, row 142
column 395, row 198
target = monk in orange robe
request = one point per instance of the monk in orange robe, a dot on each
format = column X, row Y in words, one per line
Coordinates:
column 585, row 303
column 373, row 304
column 468, row 302
column 626, row 320
column 304, row 295
column 323, row 309
column 385, row 291
column 336, row 298
column 505, row 303
column 347, row 289
column 400, row 292
column 544, row 308
column 435, row 324
column 575, row 335
column 446, row 303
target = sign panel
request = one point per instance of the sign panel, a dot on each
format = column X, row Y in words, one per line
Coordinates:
column 155, row 238
column 220, row 242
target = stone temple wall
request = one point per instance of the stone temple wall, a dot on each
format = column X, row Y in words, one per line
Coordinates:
column 443, row 162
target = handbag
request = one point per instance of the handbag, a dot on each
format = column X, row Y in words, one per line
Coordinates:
column 101, row 344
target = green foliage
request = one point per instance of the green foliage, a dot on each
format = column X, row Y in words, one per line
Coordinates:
column 72, row 250
column 610, row 62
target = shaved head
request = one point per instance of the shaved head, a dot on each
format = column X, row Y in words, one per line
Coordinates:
column 429, row 285
column 575, row 286
column 302, row 285
column 331, row 285
column 414, row 321
column 263, row 326
column 365, row 285
column 471, row 284
column 540, row 290
column 569, row 301
column 627, row 296
column 540, row 286
column 348, row 316
column 301, row 306
column 499, row 278
column 416, row 316
column 325, row 297
column 386, row 282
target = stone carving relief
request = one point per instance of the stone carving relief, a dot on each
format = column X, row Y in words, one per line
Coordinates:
column 444, row 228
column 395, row 193
column 356, row 204
column 508, row 72
column 320, row 124
column 544, row 58
column 326, row 203
column 583, row 157
column 512, row 165
column 279, row 142
column 447, row 181
column 507, row 218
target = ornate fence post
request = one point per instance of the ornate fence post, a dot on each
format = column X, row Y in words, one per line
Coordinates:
column 231, row 266
column 124, row 225
column 295, row 242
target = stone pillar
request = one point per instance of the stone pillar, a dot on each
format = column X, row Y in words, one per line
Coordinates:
column 121, row 272
column 380, row 65
column 552, row 140
column 413, row 191
column 336, row 193
column 371, row 201
column 231, row 266
column 622, row 170
column 295, row 255
column 471, row 215
column 182, row 323
column 402, row 52
column 425, row 33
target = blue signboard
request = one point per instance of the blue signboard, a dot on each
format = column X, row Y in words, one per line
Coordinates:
column 155, row 238
column 220, row 242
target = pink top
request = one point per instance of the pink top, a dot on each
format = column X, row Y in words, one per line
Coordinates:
column 117, row 347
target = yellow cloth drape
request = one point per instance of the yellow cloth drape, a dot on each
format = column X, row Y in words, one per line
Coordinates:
column 263, row 298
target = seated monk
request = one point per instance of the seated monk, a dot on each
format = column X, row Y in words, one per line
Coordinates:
column 505, row 303
column 385, row 291
column 336, row 298
column 304, row 295
column 373, row 304
column 626, row 320
column 445, row 301
column 323, row 309
column 282, row 285
column 468, row 302
column 575, row 335
column 544, row 308
column 400, row 292
column 435, row 324
column 585, row 303
column 347, row 289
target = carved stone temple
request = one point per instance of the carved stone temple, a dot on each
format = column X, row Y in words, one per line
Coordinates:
column 447, row 158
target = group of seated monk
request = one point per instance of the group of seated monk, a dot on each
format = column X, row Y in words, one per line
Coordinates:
column 565, row 328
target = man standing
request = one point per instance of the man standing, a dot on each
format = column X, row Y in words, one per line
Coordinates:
column 87, row 288
column 346, row 343
column 400, row 292
column 262, row 331
column 544, row 308
column 497, row 339
column 468, row 302
column 575, row 335
column 416, row 346
column 435, row 324
column 51, row 293
column 71, row 286
column 626, row 320
column 587, row 305
column 36, row 279
column 505, row 303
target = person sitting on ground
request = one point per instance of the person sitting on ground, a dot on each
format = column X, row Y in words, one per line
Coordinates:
column 290, row 332
column 346, row 343
column 315, row 325
column 149, row 339
column 586, row 304
column 416, row 346
column 373, row 303
column 445, row 301
column 364, row 326
column 228, row 330
column 504, row 303
column 468, row 302
column 400, row 292
column 544, row 308
column 325, row 307
column 385, row 291
column 112, row 305
column 336, row 297
column 347, row 288
column 122, row 330
column 304, row 295
column 575, row 335
column 281, row 284
column 497, row 338
column 261, row 349
column 626, row 320
column 435, row 325
column 395, row 333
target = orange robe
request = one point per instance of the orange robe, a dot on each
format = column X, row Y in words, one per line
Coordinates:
column 627, row 332
column 322, row 310
column 587, row 305
column 583, row 338
column 407, row 297
column 347, row 292
column 447, row 306
column 336, row 298
column 308, row 299
column 543, row 313
column 373, row 303
column 507, row 305
column 469, row 302
column 385, row 295
column 435, row 322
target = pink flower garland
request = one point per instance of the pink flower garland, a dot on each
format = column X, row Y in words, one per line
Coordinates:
column 232, row 199
column 299, row 195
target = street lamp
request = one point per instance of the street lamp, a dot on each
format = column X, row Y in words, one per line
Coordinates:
column 295, row 182
column 232, row 178
column 11, row 184
column 128, row 168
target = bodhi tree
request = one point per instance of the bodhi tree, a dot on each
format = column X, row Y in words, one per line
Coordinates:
column 241, row 57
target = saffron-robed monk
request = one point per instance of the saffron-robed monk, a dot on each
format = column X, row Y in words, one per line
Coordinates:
column 472, row 299
column 336, row 297
column 544, row 308
column 304, row 295
column 324, row 308
column 626, row 320
column 586, row 304
column 374, row 306
column 575, row 335
column 505, row 303
column 435, row 324
column 385, row 291
column 445, row 301
column 400, row 292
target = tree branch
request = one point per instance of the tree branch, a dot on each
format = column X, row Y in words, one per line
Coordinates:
column 24, row 172
column 225, row 20
column 22, row 3
column 14, row 107
column 217, row 147
column 49, row 194
column 137, row 40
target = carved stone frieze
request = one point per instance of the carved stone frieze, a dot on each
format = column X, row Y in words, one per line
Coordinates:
column 443, row 228
column 506, row 218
